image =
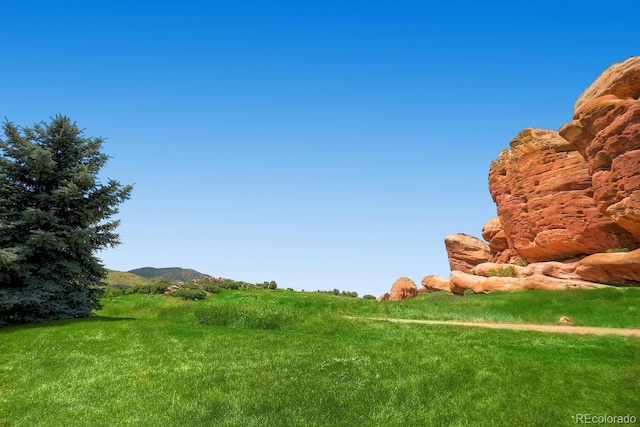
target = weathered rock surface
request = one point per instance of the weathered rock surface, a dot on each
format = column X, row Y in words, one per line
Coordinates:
column 403, row 288
column 622, row 80
column 435, row 283
column 493, row 233
column 544, row 197
column 479, row 284
column 613, row 268
column 606, row 131
column 465, row 252
column 384, row 297
column 555, row 269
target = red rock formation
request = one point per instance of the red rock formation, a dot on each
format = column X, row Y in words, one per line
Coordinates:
column 465, row 252
column 493, row 233
column 544, row 197
column 499, row 246
column 562, row 195
column 403, row 288
column 435, row 283
column 559, row 270
column 614, row 268
column 479, row 284
column 622, row 80
column 384, row 297
column 606, row 131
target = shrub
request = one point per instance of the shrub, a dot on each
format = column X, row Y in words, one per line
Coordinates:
column 160, row 287
column 153, row 288
column 509, row 271
column 368, row 297
column 188, row 294
column 211, row 287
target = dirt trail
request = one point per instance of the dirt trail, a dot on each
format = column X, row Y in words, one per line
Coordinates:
column 561, row 329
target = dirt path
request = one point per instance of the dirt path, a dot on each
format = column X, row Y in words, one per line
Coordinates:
column 561, row 329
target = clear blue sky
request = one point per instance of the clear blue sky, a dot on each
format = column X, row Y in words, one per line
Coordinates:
column 322, row 144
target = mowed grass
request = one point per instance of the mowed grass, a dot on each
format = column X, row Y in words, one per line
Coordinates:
column 262, row 358
column 609, row 307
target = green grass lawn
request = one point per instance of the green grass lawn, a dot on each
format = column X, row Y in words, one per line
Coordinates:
column 262, row 358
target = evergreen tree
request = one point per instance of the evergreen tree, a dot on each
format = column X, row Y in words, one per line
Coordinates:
column 54, row 215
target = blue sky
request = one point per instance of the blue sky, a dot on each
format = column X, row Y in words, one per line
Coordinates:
column 319, row 144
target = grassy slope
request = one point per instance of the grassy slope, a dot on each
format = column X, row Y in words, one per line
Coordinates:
column 121, row 278
column 279, row 358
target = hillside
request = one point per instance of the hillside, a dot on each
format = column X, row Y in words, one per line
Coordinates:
column 171, row 274
column 122, row 278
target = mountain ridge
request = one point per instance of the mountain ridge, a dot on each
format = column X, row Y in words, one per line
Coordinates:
column 171, row 274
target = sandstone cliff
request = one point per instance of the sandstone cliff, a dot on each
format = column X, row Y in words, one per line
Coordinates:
column 568, row 202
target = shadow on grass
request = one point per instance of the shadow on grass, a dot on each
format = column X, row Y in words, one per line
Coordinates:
column 62, row 322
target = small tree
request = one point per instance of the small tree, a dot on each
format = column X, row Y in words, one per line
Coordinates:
column 53, row 216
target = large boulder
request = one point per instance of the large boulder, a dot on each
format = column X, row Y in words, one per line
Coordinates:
column 499, row 246
column 542, row 189
column 465, row 252
column 433, row 283
column 403, row 288
column 606, row 131
column 619, row 268
column 493, row 233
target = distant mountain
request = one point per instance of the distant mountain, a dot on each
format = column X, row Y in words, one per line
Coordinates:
column 172, row 274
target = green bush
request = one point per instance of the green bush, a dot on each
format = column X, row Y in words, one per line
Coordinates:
column 368, row 297
column 188, row 293
column 509, row 271
column 160, row 287
column 211, row 287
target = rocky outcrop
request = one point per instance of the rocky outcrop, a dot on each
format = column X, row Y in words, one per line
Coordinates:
column 403, row 288
column 465, row 252
column 435, row 283
column 606, row 131
column 621, row 80
column 564, row 200
column 493, row 233
column 480, row 284
column 384, row 297
column 543, row 193
column 620, row 268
